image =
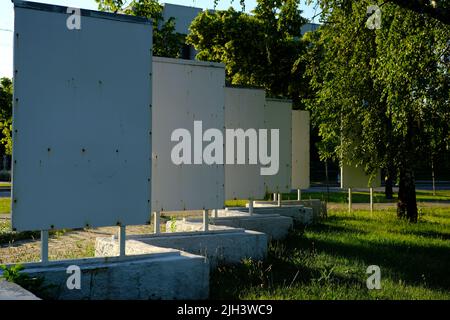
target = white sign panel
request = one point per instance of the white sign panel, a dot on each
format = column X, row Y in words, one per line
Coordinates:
column 278, row 115
column 355, row 177
column 244, row 109
column 186, row 92
column 82, row 119
column 300, row 149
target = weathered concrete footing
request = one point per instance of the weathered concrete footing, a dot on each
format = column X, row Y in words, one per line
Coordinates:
column 276, row 227
column 12, row 291
column 164, row 275
column 319, row 207
column 300, row 214
column 219, row 247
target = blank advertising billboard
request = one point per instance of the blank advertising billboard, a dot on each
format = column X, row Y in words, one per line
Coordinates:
column 81, row 119
column 300, row 149
column 355, row 177
column 188, row 100
column 244, row 109
column 278, row 115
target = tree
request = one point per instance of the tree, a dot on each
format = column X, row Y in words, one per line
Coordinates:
column 381, row 96
column 166, row 42
column 6, row 97
column 258, row 49
column 438, row 9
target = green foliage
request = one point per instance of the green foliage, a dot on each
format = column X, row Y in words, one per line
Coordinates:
column 380, row 97
column 173, row 224
column 14, row 274
column 260, row 49
column 166, row 42
column 6, row 97
column 6, row 137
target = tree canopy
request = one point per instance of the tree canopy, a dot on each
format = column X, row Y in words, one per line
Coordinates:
column 166, row 42
column 6, row 97
column 381, row 96
column 258, row 49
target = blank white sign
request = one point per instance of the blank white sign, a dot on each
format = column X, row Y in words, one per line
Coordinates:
column 300, row 149
column 244, row 109
column 278, row 115
column 82, row 120
column 355, row 177
column 185, row 91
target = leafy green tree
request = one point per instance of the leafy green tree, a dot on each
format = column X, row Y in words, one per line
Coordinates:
column 166, row 42
column 258, row 49
column 381, row 96
column 6, row 97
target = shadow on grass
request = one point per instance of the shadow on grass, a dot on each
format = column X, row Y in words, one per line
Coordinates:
column 409, row 262
column 307, row 260
column 277, row 272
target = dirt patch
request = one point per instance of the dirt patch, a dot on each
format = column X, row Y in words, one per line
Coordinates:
column 70, row 245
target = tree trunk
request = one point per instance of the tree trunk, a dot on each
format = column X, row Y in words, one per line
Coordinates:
column 407, row 204
column 389, row 184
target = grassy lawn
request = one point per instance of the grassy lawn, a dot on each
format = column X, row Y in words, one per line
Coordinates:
column 329, row 260
column 5, row 205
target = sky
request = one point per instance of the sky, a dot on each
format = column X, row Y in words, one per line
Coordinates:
column 7, row 20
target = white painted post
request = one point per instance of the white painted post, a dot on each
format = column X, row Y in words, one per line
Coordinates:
column 349, row 199
column 205, row 220
column 216, row 213
column 274, row 197
column 279, row 199
column 371, row 200
column 250, row 206
column 44, row 246
column 122, row 238
column 299, row 194
column 157, row 221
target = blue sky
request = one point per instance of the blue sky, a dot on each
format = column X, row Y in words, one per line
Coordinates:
column 7, row 20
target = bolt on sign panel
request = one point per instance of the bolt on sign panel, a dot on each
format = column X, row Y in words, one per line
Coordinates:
column 355, row 177
column 300, row 149
column 278, row 115
column 184, row 92
column 82, row 119
column 244, row 109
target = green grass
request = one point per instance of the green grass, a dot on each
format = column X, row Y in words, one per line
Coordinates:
column 7, row 235
column 329, row 260
column 5, row 205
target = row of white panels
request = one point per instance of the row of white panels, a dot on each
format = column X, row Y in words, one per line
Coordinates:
column 95, row 123
column 187, row 91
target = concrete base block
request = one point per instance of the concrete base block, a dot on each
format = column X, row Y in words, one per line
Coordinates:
column 12, row 291
column 299, row 214
column 274, row 226
column 319, row 207
column 220, row 247
column 168, row 276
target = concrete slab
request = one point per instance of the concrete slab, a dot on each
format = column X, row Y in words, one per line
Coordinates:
column 166, row 275
column 276, row 227
column 12, row 291
column 219, row 247
column 299, row 214
column 319, row 207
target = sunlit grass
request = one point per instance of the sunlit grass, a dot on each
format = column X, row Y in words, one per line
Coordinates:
column 329, row 260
